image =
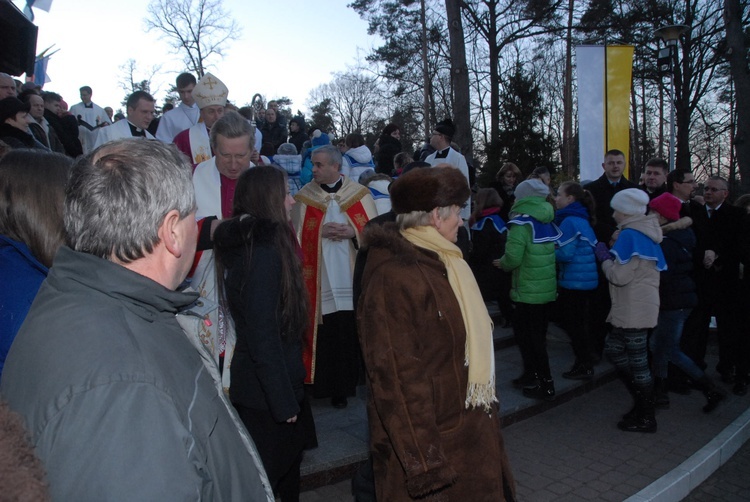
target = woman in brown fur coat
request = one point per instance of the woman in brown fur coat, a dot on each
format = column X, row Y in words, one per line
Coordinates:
column 21, row 472
column 427, row 344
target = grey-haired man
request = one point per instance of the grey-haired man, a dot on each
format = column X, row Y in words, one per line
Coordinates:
column 120, row 403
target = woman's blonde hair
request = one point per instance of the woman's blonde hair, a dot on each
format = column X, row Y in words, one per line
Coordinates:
column 421, row 218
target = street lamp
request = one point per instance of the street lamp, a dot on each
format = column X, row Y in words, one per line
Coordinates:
column 666, row 58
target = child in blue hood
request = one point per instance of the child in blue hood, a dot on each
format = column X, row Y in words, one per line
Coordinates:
column 577, row 277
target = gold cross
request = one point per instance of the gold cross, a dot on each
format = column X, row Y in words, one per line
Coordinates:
column 211, row 83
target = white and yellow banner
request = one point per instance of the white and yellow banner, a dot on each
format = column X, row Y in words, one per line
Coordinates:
column 604, row 80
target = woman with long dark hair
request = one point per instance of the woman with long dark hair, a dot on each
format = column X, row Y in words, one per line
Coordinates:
column 32, row 192
column 259, row 267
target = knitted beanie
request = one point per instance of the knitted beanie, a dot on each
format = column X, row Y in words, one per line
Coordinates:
column 630, row 201
column 531, row 188
column 667, row 205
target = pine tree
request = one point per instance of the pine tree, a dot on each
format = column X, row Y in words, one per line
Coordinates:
column 521, row 140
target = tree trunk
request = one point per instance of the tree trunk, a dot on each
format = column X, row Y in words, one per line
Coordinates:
column 739, row 67
column 494, row 161
column 459, row 79
column 427, row 91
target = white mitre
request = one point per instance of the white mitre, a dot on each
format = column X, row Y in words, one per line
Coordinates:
column 210, row 91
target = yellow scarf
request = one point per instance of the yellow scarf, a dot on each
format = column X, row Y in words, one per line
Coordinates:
column 480, row 352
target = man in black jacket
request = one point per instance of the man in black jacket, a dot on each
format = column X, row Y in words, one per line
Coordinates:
column 603, row 189
column 68, row 136
column 655, row 177
column 716, row 268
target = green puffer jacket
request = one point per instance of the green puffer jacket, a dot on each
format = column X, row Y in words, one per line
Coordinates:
column 532, row 265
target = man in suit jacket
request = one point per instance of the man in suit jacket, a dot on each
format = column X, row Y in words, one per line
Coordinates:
column 716, row 270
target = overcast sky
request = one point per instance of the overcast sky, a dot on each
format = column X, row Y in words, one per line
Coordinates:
column 287, row 47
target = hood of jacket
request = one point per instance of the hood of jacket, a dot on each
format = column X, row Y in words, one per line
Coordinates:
column 680, row 233
column 536, row 207
column 361, row 154
column 647, row 224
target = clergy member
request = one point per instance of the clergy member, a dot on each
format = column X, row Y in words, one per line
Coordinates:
column 445, row 154
column 329, row 215
column 210, row 95
column 140, row 113
column 184, row 116
column 215, row 180
column 88, row 111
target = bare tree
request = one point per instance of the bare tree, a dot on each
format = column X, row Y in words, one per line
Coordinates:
column 135, row 79
column 736, row 52
column 196, row 29
column 354, row 99
column 459, row 79
column 500, row 24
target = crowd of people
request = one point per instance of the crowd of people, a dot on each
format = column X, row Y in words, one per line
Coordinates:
column 180, row 291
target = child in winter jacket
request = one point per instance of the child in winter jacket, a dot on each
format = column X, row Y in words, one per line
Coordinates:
column 577, row 277
column 530, row 256
column 632, row 268
column 488, row 236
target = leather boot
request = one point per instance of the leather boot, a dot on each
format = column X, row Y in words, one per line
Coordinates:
column 713, row 394
column 661, row 396
column 527, row 379
column 544, row 389
column 627, row 380
column 645, row 420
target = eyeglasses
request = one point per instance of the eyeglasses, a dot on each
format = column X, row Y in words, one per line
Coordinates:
column 712, row 189
column 692, row 182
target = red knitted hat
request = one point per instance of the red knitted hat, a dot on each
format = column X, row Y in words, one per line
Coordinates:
column 667, row 205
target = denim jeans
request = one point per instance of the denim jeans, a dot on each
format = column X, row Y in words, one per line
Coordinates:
column 665, row 345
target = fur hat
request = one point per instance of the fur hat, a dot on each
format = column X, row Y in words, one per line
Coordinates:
column 426, row 189
column 531, row 188
column 446, row 128
column 210, row 91
column 667, row 205
column 630, row 201
column 11, row 106
column 320, row 138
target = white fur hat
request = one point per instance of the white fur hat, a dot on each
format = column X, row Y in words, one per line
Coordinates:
column 630, row 201
column 210, row 91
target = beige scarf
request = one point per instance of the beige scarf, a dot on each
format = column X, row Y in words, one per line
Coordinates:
column 480, row 353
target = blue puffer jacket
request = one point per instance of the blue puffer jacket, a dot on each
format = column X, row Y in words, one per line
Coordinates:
column 575, row 249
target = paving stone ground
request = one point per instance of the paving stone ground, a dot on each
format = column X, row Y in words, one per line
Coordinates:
column 731, row 483
column 574, row 452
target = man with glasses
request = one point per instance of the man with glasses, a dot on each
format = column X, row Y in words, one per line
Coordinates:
column 681, row 183
column 445, row 154
column 232, row 140
column 716, row 271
